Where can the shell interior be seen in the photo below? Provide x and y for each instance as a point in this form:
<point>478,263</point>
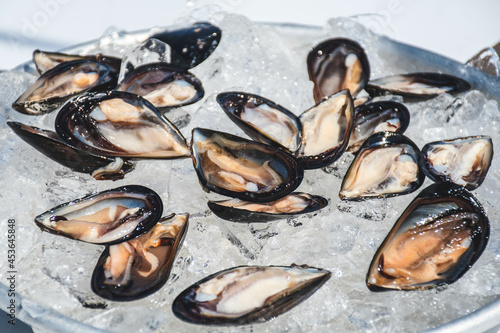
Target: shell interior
<point>435,241</point>
<point>241,168</point>
<point>107,217</point>
<point>138,267</point>
<point>119,124</point>
<point>387,164</point>
<point>463,161</point>
<point>262,119</point>
<point>326,128</point>
<point>247,294</point>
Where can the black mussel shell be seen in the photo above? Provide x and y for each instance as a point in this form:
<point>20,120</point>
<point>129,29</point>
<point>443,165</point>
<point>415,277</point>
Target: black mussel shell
<point>62,82</point>
<point>417,86</point>
<point>439,236</point>
<point>262,119</point>
<point>326,128</point>
<point>337,64</point>
<point>108,217</point>
<point>386,165</point>
<point>463,161</point>
<point>138,267</point>
<point>205,301</point>
<point>377,117</point>
<point>119,124</point>
<point>244,169</point>
<point>48,143</point>
<point>289,206</point>
<point>164,85</point>
<point>192,45</point>
<point>44,60</point>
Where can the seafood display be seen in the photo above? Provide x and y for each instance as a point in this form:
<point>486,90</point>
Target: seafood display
<point>343,142</point>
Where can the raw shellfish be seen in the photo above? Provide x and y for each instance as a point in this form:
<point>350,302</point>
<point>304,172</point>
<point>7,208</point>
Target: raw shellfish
<point>138,267</point>
<point>244,169</point>
<point>435,241</point>
<point>108,217</point>
<point>247,294</point>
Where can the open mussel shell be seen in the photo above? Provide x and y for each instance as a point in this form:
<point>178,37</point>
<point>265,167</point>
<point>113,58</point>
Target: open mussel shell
<point>138,267</point>
<point>244,169</point>
<point>326,128</point>
<point>247,294</point>
<point>119,124</point>
<point>463,161</point>
<point>44,60</point>
<point>262,119</point>
<point>434,242</point>
<point>190,46</point>
<point>387,164</point>
<point>163,85</point>
<point>48,143</point>
<point>417,86</point>
<point>294,204</point>
<point>62,82</point>
<point>384,116</point>
<point>337,64</point>
<point>108,217</point>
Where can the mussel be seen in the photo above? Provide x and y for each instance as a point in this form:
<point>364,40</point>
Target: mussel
<point>337,64</point>
<point>190,46</point>
<point>463,161</point>
<point>385,116</point>
<point>326,128</point>
<point>417,86</point>
<point>262,119</point>
<point>108,217</point>
<point>57,85</point>
<point>48,143</point>
<point>247,294</point>
<point>387,164</point>
<point>294,204</point>
<point>244,169</point>
<point>118,123</point>
<point>44,60</point>
<point>435,241</point>
<point>138,267</point>
<point>163,85</point>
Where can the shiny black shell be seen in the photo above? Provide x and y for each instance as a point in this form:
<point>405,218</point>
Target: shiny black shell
<point>48,143</point>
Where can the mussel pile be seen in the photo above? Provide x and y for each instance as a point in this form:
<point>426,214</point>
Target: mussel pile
<point>103,125</point>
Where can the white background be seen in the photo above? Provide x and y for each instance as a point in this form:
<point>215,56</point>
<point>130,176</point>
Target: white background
<point>455,28</point>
